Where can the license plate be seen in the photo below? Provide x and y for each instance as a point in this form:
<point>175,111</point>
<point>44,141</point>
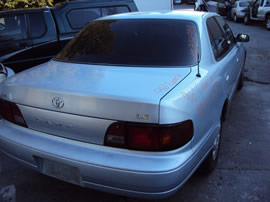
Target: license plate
<point>61,171</point>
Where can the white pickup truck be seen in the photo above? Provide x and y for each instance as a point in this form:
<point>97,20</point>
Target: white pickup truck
<point>154,5</point>
<point>259,11</point>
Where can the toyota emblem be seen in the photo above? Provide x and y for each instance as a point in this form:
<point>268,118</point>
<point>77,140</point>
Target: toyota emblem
<point>58,102</point>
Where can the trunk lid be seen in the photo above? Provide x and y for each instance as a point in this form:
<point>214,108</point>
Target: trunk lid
<point>91,91</point>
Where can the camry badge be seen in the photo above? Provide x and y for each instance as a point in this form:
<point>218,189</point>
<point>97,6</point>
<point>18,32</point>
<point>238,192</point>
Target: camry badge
<point>58,102</point>
<point>143,116</point>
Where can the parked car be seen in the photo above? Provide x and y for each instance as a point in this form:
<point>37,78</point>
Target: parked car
<point>258,11</point>
<point>30,37</point>
<point>132,105</point>
<point>239,9</point>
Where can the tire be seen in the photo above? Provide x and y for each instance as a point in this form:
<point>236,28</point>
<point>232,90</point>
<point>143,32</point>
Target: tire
<point>235,18</point>
<point>240,81</point>
<point>246,19</point>
<point>267,22</point>
<point>211,160</point>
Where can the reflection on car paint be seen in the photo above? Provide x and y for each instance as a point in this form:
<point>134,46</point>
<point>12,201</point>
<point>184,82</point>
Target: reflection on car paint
<point>192,95</point>
<point>202,106</point>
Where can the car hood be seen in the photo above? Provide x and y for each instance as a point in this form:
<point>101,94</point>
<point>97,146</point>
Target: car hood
<point>107,92</point>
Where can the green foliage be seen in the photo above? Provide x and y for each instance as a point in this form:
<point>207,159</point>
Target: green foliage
<point>17,4</point>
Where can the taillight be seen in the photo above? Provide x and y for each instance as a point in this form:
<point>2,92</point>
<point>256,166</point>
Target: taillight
<point>148,137</point>
<point>11,113</point>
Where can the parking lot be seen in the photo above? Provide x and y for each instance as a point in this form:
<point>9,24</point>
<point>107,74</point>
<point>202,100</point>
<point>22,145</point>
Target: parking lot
<point>243,172</point>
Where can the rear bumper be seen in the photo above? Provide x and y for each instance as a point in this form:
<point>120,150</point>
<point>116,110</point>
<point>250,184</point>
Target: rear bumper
<point>130,173</point>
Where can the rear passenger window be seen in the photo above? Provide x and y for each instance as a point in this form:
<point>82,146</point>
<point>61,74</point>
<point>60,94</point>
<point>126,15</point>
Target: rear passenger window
<point>228,34</point>
<point>78,18</point>
<point>221,37</point>
<point>12,28</point>
<point>215,35</point>
<point>37,25</point>
<point>114,10</point>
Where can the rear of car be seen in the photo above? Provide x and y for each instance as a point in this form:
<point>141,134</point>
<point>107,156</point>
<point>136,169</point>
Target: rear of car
<point>239,9</point>
<point>103,114</point>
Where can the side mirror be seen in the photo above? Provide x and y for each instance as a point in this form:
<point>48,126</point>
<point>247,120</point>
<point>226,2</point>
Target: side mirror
<point>242,38</point>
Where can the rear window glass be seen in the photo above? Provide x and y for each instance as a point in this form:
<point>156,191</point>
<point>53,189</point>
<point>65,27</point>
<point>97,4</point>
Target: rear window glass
<point>143,42</point>
<point>243,4</point>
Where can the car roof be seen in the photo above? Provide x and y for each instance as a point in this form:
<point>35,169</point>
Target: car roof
<point>176,14</point>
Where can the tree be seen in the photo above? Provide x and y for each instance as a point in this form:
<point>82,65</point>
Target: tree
<point>17,4</point>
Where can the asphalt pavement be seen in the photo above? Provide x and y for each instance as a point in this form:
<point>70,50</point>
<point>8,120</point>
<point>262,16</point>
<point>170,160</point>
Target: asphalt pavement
<point>243,171</point>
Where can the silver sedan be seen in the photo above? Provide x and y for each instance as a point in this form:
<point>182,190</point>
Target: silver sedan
<point>133,105</point>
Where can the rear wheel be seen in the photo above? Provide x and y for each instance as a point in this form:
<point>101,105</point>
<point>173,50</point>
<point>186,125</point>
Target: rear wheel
<point>240,82</point>
<point>210,162</point>
<point>235,18</point>
<point>246,19</point>
<point>268,22</point>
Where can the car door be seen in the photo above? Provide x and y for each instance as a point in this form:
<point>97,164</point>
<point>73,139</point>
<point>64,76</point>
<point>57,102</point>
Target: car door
<point>261,11</point>
<point>233,53</point>
<point>13,34</point>
<point>42,36</point>
<point>225,51</point>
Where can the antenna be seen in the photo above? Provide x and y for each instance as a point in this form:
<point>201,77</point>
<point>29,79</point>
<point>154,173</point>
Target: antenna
<point>198,59</point>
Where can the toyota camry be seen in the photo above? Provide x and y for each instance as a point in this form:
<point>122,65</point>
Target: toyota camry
<point>133,105</point>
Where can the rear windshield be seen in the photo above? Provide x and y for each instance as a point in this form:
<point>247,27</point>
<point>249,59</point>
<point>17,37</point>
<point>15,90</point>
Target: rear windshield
<point>129,42</point>
<point>244,4</point>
